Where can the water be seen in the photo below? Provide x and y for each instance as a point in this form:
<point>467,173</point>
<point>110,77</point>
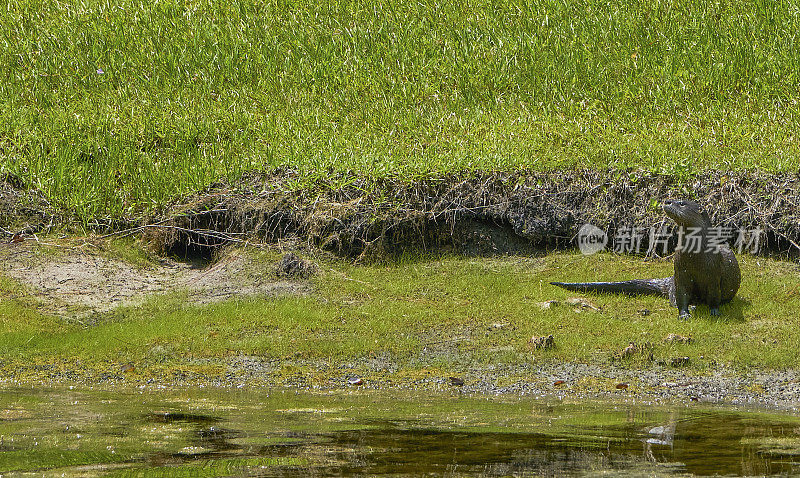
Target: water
<point>263,433</point>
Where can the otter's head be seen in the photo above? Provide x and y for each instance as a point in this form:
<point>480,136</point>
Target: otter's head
<point>686,213</point>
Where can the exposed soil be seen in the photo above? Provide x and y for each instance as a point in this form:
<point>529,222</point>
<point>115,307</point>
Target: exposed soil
<point>479,213</point>
<point>77,282</point>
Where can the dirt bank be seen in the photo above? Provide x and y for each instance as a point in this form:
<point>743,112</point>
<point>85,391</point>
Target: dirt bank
<point>479,213</point>
<point>476,214</point>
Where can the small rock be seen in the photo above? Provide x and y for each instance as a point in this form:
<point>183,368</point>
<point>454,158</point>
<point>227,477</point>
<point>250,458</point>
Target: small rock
<point>677,339</point>
<point>457,382</point>
<point>293,266</point>
<point>581,304</point>
<point>544,342</point>
<point>646,350</point>
<point>548,304</point>
<point>629,350</point>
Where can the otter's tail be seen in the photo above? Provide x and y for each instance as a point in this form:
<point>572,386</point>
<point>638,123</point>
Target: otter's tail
<point>634,287</point>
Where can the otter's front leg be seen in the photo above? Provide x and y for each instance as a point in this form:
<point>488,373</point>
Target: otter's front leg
<point>682,301</point>
<point>682,297</point>
<point>714,296</point>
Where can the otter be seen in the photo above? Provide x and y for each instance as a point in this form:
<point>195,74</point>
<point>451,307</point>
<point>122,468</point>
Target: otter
<point>705,274</point>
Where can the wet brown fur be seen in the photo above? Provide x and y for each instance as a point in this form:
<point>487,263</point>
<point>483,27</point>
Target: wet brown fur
<point>702,275</point>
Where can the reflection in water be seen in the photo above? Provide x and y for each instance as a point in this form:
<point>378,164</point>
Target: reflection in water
<point>663,434</point>
<point>255,434</point>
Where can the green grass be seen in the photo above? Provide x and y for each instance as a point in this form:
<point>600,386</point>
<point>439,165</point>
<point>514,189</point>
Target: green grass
<point>114,108</point>
<point>438,313</point>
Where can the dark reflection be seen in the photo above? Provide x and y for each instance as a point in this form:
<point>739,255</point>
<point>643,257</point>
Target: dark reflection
<point>205,439</point>
<point>702,445</point>
<point>429,451</point>
<point>216,438</point>
<point>169,417</point>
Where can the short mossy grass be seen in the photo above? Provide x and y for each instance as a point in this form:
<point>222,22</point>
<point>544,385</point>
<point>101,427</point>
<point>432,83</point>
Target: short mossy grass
<point>438,315</point>
<point>112,109</point>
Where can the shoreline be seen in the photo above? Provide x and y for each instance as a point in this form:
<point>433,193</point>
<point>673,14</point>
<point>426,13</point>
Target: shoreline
<point>762,389</point>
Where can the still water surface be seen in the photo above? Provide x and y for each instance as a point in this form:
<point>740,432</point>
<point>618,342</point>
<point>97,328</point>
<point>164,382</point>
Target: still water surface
<point>268,433</point>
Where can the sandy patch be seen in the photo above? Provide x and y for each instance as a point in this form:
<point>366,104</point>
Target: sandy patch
<point>76,283</point>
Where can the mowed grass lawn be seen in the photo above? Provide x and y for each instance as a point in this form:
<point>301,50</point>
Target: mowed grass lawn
<point>112,108</point>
